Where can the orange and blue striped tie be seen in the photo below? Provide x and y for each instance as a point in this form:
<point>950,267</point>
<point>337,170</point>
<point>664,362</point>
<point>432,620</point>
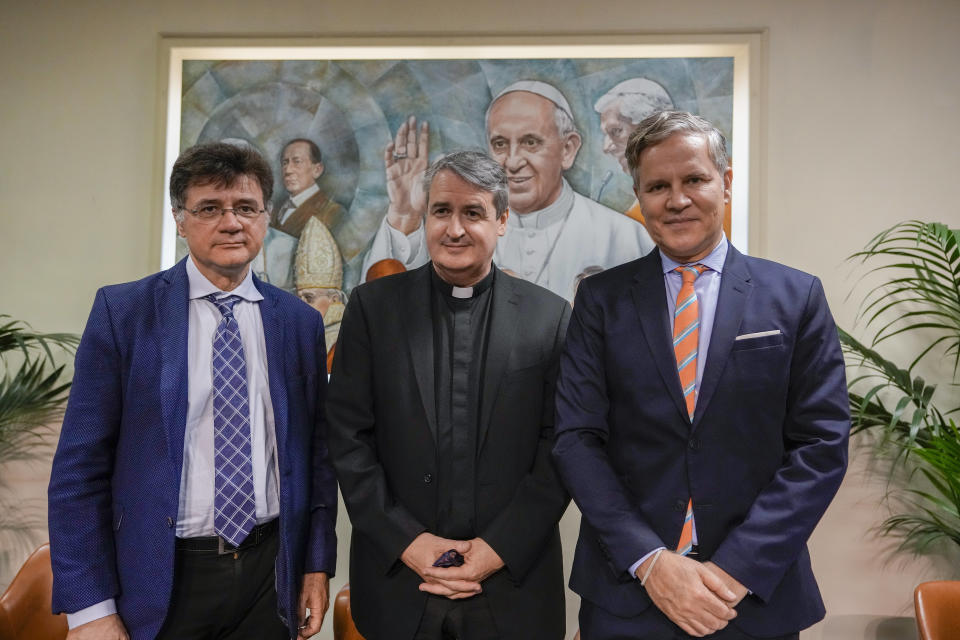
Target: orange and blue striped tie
<point>686,334</point>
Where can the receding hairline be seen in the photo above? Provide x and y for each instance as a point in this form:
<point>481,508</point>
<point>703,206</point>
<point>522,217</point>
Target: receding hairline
<point>313,149</point>
<point>661,126</point>
<point>477,169</point>
<point>453,174</point>
<point>702,136</point>
<point>297,141</point>
<point>447,171</point>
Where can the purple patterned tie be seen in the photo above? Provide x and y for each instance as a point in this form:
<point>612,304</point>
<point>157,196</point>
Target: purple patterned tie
<point>234,505</point>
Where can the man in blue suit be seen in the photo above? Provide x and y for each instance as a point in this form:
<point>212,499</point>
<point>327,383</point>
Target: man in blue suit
<point>191,495</point>
<point>698,499</point>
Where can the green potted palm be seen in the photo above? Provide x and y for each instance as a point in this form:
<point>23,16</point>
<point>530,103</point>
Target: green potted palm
<point>919,296</point>
<point>32,394</point>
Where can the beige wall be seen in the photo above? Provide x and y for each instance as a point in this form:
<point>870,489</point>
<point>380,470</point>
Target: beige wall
<point>861,100</point>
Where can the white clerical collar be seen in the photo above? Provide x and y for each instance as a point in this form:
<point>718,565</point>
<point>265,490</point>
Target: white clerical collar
<point>305,195</point>
<point>464,293</point>
<point>549,215</point>
<point>200,286</point>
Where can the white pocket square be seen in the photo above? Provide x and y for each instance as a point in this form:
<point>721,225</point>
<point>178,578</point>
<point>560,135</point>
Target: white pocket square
<point>759,334</point>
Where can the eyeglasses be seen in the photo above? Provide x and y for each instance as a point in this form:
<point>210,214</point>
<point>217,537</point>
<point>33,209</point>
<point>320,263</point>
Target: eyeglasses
<point>209,212</point>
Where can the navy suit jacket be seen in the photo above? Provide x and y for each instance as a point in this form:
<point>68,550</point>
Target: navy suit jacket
<point>115,485</point>
<point>762,459</point>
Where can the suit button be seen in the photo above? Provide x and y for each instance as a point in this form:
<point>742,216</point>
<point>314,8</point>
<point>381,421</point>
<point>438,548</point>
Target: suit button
<point>694,443</point>
<point>427,478</point>
<point>169,522</point>
<point>680,505</point>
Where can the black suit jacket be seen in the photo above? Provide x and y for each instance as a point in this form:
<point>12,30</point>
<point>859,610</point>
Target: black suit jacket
<point>381,408</point>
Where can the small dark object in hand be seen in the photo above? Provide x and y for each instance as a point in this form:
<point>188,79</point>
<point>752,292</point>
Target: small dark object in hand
<point>451,558</point>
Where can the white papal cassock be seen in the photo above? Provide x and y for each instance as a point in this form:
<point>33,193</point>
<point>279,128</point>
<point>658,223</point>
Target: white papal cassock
<point>550,247</point>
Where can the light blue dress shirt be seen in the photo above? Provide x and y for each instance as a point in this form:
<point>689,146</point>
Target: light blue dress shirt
<point>707,288</point>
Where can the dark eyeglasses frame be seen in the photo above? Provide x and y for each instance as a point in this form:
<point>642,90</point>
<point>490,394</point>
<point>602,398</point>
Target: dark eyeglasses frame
<point>211,212</point>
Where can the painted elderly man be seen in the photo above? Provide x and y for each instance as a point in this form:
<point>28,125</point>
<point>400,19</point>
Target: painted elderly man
<point>301,165</point>
<point>554,233</point>
<point>621,109</point>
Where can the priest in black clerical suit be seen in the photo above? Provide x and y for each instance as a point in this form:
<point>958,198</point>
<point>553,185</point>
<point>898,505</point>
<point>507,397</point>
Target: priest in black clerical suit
<point>441,419</point>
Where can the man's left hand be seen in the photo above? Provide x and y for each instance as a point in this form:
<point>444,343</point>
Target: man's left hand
<point>479,563</point>
<point>315,596</point>
<point>730,582</point>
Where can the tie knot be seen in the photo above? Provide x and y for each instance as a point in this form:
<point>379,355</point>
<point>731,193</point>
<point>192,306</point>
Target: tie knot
<point>689,273</point>
<point>224,304</point>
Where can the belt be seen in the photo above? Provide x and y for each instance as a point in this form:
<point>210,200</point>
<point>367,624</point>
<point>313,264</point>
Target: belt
<point>216,543</point>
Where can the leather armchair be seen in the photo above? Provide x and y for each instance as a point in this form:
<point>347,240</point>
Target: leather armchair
<point>25,606</point>
<point>937,605</point>
<point>343,627</point>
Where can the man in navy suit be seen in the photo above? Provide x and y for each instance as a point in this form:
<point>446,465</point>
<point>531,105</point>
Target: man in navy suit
<point>191,495</point>
<point>741,462</point>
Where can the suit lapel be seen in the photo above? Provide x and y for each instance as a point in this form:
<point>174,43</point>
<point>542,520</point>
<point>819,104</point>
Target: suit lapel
<point>735,289</point>
<point>273,336</point>
<point>419,332</point>
<point>504,316</point>
<point>650,298</point>
<point>171,308</point>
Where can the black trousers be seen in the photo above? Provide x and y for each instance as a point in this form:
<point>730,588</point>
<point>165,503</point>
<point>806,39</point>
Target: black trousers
<point>225,597</point>
<point>445,619</point>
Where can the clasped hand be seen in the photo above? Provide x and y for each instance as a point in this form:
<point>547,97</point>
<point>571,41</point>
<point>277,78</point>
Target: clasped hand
<point>480,562</point>
<point>698,598</point>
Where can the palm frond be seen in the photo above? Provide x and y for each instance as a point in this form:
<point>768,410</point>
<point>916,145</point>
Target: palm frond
<point>921,293</point>
<point>32,394</point>
<point>17,335</point>
<point>30,400</point>
<point>868,410</point>
<point>925,260</point>
<point>937,512</point>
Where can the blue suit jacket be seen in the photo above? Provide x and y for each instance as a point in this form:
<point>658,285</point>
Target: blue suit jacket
<point>764,456</point>
<point>115,485</point>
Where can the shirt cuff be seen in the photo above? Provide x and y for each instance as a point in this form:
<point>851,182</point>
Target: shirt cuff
<point>91,613</point>
<point>636,565</point>
<point>404,247</point>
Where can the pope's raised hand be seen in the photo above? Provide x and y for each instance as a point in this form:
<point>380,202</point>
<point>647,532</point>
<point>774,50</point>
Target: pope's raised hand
<point>405,160</point>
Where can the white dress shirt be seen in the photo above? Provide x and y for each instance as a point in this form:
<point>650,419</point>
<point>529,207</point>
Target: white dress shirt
<point>298,200</point>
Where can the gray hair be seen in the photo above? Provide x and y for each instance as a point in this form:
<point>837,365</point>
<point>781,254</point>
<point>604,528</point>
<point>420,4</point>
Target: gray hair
<point>220,164</point>
<point>636,99</point>
<point>476,168</point>
<point>659,126</point>
<point>564,122</point>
